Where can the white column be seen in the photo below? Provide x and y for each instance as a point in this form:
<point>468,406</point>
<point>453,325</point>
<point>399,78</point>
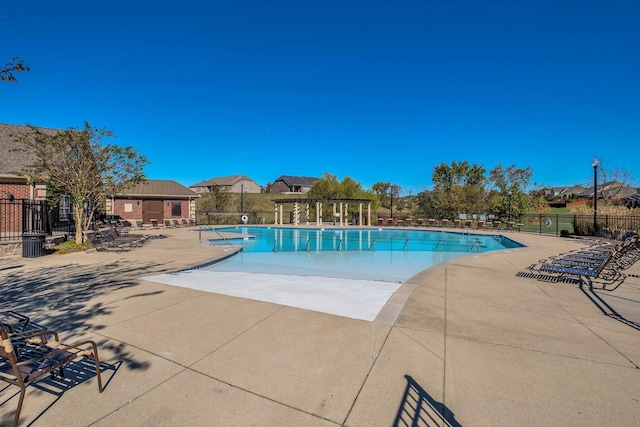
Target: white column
<point>275,214</point>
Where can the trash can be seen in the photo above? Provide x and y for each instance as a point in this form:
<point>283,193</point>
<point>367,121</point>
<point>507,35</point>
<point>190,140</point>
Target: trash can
<point>32,245</point>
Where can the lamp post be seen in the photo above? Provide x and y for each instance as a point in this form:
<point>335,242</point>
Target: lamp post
<point>510,195</point>
<point>595,164</point>
<point>241,197</point>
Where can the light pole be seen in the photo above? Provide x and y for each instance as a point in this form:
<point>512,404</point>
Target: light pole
<point>595,164</point>
<point>510,195</point>
<point>241,197</point>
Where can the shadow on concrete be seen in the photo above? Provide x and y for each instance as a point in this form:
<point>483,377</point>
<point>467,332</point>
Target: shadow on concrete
<point>419,409</point>
<point>606,307</point>
<point>75,373</point>
<point>60,298</point>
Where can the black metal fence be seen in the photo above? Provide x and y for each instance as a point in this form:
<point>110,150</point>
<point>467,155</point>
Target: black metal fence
<point>580,225</point>
<point>23,216</point>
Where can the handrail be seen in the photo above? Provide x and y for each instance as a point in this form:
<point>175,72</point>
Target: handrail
<point>308,244</point>
<point>475,243</point>
<point>439,244</point>
<point>373,245</point>
<point>406,243</point>
<point>339,245</point>
<point>224,239</point>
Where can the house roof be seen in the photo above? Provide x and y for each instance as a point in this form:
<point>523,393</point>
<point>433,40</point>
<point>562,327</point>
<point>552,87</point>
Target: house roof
<point>297,180</point>
<point>159,188</point>
<point>12,160</point>
<point>223,181</point>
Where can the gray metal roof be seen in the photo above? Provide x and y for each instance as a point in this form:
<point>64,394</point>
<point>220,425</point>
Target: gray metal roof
<point>159,188</point>
<point>222,181</point>
<point>297,180</point>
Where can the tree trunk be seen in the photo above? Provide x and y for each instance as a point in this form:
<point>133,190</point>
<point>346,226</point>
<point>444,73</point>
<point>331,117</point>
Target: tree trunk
<point>80,223</point>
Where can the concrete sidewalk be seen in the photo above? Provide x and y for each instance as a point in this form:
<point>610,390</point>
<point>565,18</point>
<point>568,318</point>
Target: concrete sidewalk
<point>485,347</point>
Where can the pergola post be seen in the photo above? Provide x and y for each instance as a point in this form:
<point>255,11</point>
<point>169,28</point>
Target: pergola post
<point>275,214</point>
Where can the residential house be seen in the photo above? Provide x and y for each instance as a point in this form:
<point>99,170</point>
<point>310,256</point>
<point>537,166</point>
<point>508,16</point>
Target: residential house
<point>231,184</point>
<point>153,201</point>
<point>292,184</point>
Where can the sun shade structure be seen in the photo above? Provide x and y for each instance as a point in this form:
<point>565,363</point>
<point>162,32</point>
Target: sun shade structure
<point>340,210</point>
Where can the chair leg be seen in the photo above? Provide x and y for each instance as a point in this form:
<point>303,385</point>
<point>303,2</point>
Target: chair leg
<point>17,417</point>
<point>96,360</point>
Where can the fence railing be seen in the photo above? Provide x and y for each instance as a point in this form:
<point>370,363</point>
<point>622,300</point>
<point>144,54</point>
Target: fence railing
<point>580,225</point>
<point>23,216</point>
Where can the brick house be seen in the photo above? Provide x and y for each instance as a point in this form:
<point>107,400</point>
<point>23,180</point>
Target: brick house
<point>292,184</point>
<point>230,184</point>
<point>153,201</point>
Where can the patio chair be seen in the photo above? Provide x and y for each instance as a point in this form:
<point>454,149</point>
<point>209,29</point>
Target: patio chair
<point>496,225</point>
<point>380,221</point>
<point>167,223</point>
<point>37,360</point>
<point>480,225</point>
<point>432,222</point>
<point>467,223</point>
<point>13,321</point>
<point>456,223</point>
<point>101,244</point>
<point>420,222</point>
<point>408,222</point>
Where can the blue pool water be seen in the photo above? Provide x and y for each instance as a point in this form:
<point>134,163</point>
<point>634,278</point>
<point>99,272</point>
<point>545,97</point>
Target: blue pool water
<point>389,255</point>
<point>345,272</point>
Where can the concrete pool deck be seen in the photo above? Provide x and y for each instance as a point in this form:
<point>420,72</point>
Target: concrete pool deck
<point>485,346</point>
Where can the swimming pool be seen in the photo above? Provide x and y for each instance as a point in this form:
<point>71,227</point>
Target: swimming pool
<point>347,272</point>
<point>273,239</point>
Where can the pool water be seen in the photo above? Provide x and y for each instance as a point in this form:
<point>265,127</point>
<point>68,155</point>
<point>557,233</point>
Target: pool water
<point>389,255</point>
<point>269,239</point>
<point>344,272</point>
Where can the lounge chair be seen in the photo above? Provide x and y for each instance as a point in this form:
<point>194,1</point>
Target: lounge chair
<point>467,223</point>
<point>167,223</point>
<point>480,224</point>
<point>432,222</point>
<point>389,221</point>
<point>444,222</point>
<point>380,221</point>
<point>37,360</point>
<point>408,222</point>
<point>101,244</point>
<point>496,225</point>
<point>456,223</point>
<point>111,235</point>
<point>420,222</point>
<point>13,321</point>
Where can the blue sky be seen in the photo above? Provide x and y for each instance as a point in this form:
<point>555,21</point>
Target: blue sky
<point>374,90</point>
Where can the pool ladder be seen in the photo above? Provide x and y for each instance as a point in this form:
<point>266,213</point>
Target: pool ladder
<point>406,245</point>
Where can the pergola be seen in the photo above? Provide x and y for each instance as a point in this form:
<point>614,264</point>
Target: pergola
<point>340,209</point>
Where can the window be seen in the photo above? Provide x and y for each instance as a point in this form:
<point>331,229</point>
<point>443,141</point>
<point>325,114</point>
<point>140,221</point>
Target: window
<point>176,209</point>
<point>65,208</point>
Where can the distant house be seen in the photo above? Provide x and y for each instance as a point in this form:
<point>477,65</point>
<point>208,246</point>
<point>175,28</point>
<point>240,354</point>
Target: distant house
<point>153,201</point>
<point>292,184</point>
<point>230,184</point>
